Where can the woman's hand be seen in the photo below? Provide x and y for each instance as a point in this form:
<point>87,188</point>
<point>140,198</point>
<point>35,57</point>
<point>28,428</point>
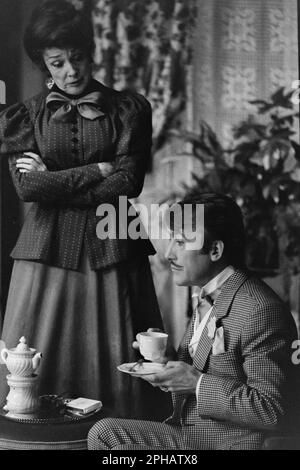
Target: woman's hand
<point>106,168</point>
<point>32,162</point>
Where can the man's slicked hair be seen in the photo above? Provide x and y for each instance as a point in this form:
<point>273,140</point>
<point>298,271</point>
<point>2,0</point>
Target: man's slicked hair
<point>223,220</point>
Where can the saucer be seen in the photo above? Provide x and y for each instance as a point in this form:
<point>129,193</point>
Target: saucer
<point>144,368</point>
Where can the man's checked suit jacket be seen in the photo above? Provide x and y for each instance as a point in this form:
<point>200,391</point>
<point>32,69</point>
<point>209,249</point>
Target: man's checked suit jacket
<point>244,391</point>
<point>63,216</point>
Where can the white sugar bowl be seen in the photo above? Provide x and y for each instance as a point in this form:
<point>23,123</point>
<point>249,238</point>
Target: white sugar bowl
<point>21,361</point>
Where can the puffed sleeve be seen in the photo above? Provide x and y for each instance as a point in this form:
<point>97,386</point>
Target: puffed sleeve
<point>134,146</point>
<point>17,137</point>
<point>85,185</point>
<point>16,131</point>
<point>133,151</point>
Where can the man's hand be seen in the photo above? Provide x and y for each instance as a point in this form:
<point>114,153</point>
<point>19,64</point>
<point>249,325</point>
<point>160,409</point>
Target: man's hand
<point>177,376</point>
<point>31,162</point>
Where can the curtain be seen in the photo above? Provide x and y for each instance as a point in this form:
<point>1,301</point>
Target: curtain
<point>245,50</point>
<point>146,46</point>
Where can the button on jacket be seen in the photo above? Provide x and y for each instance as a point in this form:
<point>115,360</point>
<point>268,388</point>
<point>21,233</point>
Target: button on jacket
<point>65,198</point>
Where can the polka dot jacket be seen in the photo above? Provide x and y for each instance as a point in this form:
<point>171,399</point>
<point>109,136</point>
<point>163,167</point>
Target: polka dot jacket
<point>62,218</point>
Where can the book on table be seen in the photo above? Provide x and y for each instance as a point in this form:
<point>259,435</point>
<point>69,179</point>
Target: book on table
<point>84,405</point>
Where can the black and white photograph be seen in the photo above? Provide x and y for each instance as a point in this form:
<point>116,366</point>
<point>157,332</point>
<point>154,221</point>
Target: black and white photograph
<point>150,227</point>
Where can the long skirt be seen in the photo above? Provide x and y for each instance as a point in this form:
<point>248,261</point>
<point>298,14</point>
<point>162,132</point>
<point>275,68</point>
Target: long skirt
<point>84,322</point>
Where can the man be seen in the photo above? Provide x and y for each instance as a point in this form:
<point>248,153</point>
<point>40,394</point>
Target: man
<point>230,378</point>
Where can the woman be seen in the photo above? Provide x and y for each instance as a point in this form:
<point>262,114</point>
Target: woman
<point>77,298</point>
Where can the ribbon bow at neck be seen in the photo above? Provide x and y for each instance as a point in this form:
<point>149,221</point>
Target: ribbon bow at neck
<point>87,106</point>
<point>203,298</point>
<point>211,297</point>
<point>204,303</point>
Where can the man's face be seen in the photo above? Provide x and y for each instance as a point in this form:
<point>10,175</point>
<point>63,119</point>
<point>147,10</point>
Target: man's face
<point>189,267</point>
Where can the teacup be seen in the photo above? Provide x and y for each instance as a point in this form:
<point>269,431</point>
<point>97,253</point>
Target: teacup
<point>152,344</point>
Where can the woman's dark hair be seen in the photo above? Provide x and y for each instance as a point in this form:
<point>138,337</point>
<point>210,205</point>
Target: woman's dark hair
<point>56,23</point>
<point>223,220</point>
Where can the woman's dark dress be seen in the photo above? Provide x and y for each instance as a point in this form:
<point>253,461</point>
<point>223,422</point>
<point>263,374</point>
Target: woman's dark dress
<point>77,299</point>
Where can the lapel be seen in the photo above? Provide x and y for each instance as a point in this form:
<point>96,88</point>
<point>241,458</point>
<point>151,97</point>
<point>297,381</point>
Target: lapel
<point>183,350</point>
<point>182,355</point>
<point>219,310</point>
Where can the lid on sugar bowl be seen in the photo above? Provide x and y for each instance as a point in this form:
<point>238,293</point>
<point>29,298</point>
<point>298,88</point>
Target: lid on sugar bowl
<point>23,347</point>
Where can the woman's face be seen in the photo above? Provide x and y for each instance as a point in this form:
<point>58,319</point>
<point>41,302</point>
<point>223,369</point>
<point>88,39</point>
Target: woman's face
<point>70,69</point>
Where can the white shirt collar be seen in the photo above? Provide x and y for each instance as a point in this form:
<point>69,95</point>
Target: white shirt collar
<point>212,286</point>
<point>215,283</point>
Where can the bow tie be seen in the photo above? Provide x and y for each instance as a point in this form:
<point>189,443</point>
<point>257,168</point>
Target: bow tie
<point>210,298</point>
<point>204,305</point>
<point>87,106</point>
<point>205,302</point>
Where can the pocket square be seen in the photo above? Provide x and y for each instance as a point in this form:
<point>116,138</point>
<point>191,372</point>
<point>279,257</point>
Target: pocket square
<point>211,327</point>
<point>218,346</point>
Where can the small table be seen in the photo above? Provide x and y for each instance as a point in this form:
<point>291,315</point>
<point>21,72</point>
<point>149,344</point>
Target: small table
<point>48,429</point>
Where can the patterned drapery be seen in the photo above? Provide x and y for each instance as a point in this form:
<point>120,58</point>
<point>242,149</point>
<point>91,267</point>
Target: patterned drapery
<point>146,46</point>
<point>244,50</point>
